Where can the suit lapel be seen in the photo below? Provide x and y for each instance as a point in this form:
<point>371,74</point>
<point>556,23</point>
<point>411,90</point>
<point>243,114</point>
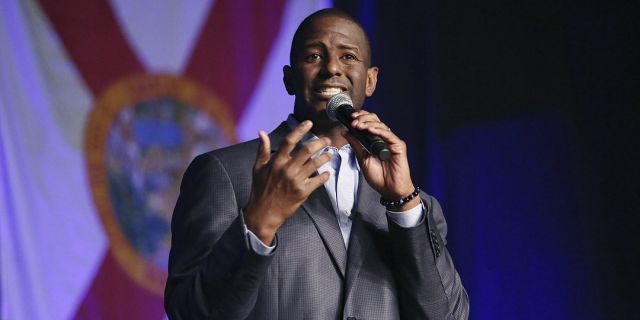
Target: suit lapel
<point>318,208</point>
<point>368,204</point>
<point>367,211</point>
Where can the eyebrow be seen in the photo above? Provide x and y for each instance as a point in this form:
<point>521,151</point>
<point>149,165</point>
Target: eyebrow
<point>314,44</point>
<point>349,47</point>
<point>317,44</point>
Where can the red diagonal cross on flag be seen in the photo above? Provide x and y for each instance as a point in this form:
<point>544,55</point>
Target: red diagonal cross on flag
<point>227,58</point>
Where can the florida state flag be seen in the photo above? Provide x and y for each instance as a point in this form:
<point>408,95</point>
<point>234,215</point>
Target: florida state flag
<point>102,106</point>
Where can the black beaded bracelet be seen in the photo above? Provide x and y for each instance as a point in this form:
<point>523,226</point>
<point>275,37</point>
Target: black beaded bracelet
<point>401,202</point>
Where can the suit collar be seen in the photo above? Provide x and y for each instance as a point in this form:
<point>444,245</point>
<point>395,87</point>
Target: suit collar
<point>277,136</point>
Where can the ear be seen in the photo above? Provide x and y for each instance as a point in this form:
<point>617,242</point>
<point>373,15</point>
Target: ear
<point>372,80</point>
<point>287,78</point>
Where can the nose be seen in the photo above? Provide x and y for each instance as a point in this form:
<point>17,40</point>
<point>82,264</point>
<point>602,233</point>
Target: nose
<point>332,66</point>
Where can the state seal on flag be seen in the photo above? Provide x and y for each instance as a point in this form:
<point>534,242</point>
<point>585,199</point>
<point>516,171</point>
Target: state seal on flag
<point>141,134</point>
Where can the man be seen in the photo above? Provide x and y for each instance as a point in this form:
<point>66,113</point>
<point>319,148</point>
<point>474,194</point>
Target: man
<point>290,226</point>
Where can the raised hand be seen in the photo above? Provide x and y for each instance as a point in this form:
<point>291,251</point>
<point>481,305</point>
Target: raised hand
<point>391,178</point>
<point>283,181</point>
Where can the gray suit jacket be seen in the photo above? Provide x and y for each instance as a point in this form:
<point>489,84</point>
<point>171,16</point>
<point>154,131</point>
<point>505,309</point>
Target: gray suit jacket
<point>388,272</point>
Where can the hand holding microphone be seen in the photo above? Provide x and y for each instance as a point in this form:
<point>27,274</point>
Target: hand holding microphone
<point>340,108</point>
<point>389,174</point>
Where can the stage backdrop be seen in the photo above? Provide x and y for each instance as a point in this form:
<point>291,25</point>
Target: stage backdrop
<point>102,105</point>
<point>521,117</point>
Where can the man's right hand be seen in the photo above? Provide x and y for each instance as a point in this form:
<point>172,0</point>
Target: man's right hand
<point>282,182</point>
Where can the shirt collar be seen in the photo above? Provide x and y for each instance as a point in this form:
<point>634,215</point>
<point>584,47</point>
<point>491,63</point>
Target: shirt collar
<point>292,122</point>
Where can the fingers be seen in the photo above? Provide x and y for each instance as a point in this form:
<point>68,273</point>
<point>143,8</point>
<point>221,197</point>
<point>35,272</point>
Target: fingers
<point>301,165</point>
<point>292,139</point>
<point>264,150</point>
<point>317,181</point>
<point>307,150</point>
<point>313,164</point>
<point>364,119</point>
<point>301,162</point>
<point>367,121</point>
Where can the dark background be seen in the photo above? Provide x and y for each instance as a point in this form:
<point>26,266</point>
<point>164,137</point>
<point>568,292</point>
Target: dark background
<point>522,118</point>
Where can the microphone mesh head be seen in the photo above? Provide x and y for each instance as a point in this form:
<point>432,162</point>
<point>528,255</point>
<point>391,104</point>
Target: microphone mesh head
<point>336,101</point>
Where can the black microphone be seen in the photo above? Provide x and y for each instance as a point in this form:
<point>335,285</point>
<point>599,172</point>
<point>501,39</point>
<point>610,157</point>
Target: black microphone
<point>340,108</point>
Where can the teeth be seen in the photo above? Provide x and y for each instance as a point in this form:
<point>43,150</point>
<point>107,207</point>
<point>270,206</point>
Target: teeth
<point>331,91</point>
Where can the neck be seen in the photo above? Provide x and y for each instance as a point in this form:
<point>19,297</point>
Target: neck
<point>325,127</point>
<point>335,133</point>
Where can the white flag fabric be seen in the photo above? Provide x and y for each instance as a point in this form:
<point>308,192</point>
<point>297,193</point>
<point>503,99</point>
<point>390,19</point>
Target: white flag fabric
<point>55,237</point>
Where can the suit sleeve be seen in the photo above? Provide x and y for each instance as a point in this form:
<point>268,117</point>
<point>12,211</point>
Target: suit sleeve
<point>213,273</point>
<point>430,287</point>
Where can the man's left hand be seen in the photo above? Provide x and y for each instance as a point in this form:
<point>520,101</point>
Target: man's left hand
<point>391,178</point>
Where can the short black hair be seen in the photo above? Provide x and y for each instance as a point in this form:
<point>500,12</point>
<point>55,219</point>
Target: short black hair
<point>327,12</point>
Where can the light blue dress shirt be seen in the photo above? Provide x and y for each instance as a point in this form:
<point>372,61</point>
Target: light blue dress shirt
<point>342,188</point>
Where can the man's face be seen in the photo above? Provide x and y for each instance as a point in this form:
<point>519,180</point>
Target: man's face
<point>331,57</point>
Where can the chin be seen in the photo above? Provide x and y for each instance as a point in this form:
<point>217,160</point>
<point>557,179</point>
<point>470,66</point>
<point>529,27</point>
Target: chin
<point>327,123</point>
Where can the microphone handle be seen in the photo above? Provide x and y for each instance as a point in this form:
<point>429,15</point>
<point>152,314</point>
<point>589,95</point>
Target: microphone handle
<point>373,144</point>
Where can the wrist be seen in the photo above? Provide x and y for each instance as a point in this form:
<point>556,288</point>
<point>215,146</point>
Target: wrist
<point>402,204</point>
<point>407,206</point>
<point>266,235</point>
<point>257,225</point>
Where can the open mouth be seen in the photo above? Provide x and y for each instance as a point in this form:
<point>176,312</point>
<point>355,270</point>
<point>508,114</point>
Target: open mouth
<point>329,92</point>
